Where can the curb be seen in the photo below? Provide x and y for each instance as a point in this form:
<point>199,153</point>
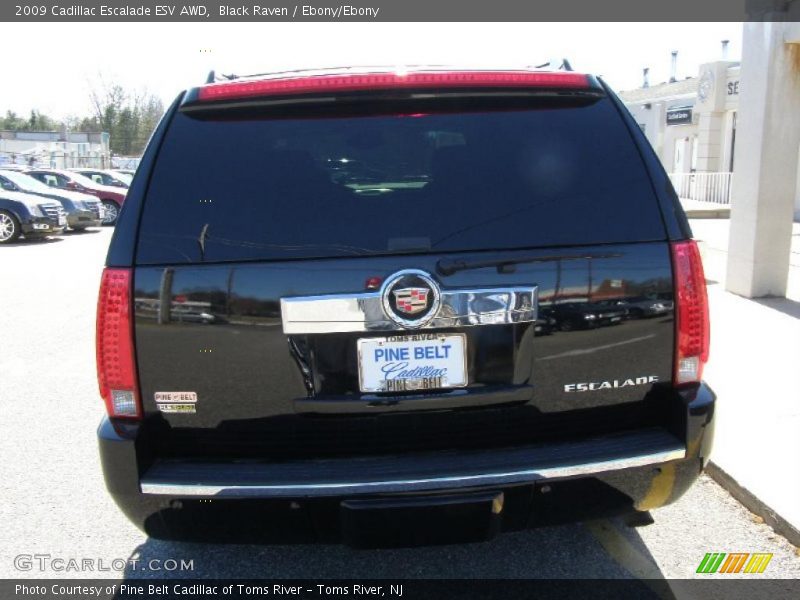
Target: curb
<point>750,502</point>
<point>719,213</point>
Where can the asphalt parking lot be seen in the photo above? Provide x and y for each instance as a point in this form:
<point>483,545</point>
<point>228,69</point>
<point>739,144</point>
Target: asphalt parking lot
<point>53,501</point>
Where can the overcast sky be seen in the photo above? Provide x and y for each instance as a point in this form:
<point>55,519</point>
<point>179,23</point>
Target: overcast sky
<point>52,66</point>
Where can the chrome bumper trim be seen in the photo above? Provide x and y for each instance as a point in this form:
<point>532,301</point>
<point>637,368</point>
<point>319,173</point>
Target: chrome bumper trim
<point>199,489</point>
<point>345,313</point>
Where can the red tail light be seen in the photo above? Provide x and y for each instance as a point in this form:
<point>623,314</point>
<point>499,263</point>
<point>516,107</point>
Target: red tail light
<point>116,363</point>
<point>377,81</point>
<point>691,313</point>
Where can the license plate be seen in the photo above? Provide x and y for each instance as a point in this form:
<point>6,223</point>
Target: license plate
<point>412,362</point>
<point>62,220</point>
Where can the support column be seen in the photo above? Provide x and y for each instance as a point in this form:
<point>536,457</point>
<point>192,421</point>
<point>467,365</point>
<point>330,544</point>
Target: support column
<point>709,147</point>
<point>797,192</point>
<point>765,178</point>
<point>710,111</point>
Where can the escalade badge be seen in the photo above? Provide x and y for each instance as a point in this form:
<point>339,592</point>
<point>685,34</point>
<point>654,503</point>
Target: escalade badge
<point>591,386</point>
<point>410,298</point>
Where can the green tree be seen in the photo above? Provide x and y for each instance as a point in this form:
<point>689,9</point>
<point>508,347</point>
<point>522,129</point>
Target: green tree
<point>13,122</point>
<point>39,122</point>
<point>128,117</point>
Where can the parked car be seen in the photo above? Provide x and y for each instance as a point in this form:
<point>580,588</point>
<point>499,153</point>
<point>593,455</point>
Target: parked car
<point>29,215</point>
<point>586,315</point>
<point>400,391</point>
<point>123,175</point>
<point>82,210</point>
<point>667,299</point>
<point>546,322</point>
<point>638,307</point>
<point>190,314</point>
<point>105,177</point>
<point>112,198</point>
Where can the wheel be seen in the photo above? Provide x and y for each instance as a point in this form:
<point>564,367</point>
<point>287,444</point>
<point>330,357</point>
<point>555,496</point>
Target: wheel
<point>567,325</point>
<point>111,212</point>
<point>9,227</point>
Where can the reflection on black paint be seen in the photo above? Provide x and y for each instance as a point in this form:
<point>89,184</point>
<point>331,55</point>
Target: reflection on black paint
<point>256,375</point>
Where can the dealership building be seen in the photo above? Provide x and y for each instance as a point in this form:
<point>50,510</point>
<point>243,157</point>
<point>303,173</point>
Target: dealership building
<point>730,135</point>
<point>691,123</point>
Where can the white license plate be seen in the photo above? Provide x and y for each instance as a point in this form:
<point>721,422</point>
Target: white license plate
<point>421,361</point>
<point>62,220</point>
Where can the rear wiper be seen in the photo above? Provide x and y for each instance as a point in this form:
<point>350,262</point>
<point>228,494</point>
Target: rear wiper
<point>202,241</point>
<point>508,264</point>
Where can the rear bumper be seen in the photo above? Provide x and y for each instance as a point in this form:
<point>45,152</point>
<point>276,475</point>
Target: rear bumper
<point>637,470</point>
<point>434,472</point>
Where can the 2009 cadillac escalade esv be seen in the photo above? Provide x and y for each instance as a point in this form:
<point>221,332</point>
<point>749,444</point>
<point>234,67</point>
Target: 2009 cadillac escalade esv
<point>366,254</point>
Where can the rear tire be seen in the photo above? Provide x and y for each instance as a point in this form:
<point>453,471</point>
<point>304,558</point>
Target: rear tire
<point>111,212</point>
<point>9,228</point>
<point>567,325</point>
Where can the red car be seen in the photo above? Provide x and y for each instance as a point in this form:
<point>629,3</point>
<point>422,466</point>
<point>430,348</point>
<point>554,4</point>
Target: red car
<point>111,197</point>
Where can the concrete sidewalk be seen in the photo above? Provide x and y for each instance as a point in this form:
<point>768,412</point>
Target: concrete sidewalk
<point>696,209</point>
<point>755,370</point>
<point>713,237</point>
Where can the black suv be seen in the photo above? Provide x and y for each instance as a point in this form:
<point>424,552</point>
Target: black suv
<point>370,251</point>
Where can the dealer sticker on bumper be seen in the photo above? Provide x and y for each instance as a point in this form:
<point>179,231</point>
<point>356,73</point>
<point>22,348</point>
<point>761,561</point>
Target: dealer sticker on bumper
<point>176,402</point>
<point>412,362</point>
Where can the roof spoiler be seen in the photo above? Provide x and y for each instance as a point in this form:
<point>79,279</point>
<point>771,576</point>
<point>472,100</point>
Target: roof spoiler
<point>214,77</point>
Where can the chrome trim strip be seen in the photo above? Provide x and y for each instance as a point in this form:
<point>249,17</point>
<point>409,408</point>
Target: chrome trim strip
<point>343,313</point>
<point>433,483</point>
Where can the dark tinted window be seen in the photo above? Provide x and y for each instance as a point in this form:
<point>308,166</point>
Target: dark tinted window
<point>288,188</point>
<point>96,177</point>
<point>51,179</point>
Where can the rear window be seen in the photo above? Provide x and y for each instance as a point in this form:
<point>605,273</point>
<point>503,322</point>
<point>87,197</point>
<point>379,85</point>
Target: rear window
<point>233,187</point>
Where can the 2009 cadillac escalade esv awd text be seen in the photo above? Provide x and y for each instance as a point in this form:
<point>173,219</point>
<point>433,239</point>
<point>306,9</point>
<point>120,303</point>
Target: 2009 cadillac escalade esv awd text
<point>364,256</point>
